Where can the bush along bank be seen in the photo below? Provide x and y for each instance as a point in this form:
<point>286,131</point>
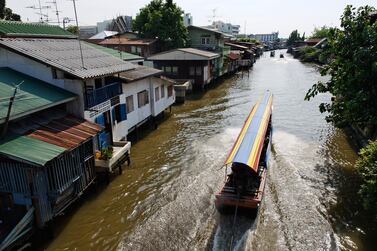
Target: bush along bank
<point>352,69</point>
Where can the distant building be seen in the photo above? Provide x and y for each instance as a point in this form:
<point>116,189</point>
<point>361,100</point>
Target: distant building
<point>187,19</point>
<point>120,24</point>
<point>88,31</point>
<point>227,28</point>
<point>266,37</point>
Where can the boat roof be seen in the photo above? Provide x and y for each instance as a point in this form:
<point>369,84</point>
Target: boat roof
<point>249,144</point>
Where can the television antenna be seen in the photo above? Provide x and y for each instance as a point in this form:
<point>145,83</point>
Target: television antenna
<point>40,9</point>
<point>214,16</point>
<point>67,20</point>
<point>56,10</point>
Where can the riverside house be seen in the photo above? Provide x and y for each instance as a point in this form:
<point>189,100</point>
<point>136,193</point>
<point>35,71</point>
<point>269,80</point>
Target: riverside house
<point>46,155</point>
<point>94,77</point>
<point>147,95</point>
<point>198,66</point>
<point>210,40</point>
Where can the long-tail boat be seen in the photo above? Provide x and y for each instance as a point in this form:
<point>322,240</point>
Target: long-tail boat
<point>248,160</point>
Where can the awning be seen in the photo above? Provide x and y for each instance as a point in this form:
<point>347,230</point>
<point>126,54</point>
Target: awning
<point>249,144</point>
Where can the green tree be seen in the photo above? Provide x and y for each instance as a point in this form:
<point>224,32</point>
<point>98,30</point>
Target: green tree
<point>7,13</point>
<point>295,36</point>
<point>162,19</point>
<point>73,29</point>
<point>321,32</point>
<point>352,71</point>
<point>367,168</point>
<point>2,7</point>
<point>248,40</point>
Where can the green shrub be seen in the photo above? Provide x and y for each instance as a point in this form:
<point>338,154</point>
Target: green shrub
<point>367,168</point>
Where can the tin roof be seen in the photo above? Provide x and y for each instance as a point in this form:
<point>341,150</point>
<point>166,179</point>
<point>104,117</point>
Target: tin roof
<point>46,140</point>
<point>119,54</point>
<point>33,94</point>
<point>104,34</point>
<point>67,132</point>
<point>237,46</point>
<point>128,41</point>
<point>185,54</point>
<point>19,29</point>
<point>64,54</point>
<point>139,73</point>
<point>29,149</point>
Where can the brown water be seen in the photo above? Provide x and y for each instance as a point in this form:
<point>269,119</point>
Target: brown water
<point>165,199</point>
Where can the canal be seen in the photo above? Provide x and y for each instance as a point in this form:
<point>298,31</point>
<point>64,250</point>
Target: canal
<point>164,200</point>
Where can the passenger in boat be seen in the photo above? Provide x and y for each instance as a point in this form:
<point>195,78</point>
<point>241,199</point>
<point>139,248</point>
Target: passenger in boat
<point>244,180</point>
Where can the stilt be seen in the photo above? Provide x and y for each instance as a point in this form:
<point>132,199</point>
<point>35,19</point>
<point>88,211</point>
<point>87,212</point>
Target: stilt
<point>120,169</point>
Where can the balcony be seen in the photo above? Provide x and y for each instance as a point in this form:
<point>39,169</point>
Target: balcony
<point>121,153</point>
<point>97,96</point>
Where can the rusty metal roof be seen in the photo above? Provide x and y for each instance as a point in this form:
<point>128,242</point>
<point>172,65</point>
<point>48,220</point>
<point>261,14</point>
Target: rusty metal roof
<point>64,54</point>
<point>139,73</point>
<point>67,132</point>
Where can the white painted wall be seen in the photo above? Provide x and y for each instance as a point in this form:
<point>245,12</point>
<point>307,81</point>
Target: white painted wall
<point>165,102</point>
<point>138,114</point>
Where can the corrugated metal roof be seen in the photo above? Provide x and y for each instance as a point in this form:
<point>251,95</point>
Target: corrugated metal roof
<point>46,141</point>
<point>33,95</point>
<point>184,54</point>
<point>67,132</point>
<point>64,54</point>
<point>104,34</point>
<point>128,41</point>
<point>139,73</point>
<point>119,54</point>
<point>19,29</point>
<point>29,149</point>
<point>237,46</point>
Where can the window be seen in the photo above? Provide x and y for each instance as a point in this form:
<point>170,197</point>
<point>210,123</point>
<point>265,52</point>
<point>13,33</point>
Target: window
<point>133,49</point>
<point>205,40</point>
<point>192,71</point>
<point>174,70</point>
<point>198,71</point>
<point>116,112</point>
<point>138,50</point>
<point>142,98</point>
<point>162,91</point>
<point>54,73</point>
<point>167,69</point>
<point>157,93</point>
<point>98,83</point>
<point>119,113</point>
<point>170,90</point>
<point>130,104</point>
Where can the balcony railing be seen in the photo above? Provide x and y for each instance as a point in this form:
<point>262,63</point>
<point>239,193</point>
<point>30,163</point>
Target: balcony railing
<point>100,95</point>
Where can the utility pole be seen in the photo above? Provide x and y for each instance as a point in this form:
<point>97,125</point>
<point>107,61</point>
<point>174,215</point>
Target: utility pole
<point>11,101</point>
<point>78,30</point>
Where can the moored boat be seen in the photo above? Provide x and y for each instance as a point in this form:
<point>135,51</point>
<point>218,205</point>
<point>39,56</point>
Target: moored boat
<point>248,160</point>
<point>272,54</point>
<point>281,55</point>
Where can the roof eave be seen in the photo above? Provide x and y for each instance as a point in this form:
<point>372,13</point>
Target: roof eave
<point>20,115</point>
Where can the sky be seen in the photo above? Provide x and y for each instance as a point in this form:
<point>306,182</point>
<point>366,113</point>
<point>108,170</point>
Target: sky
<point>254,16</point>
